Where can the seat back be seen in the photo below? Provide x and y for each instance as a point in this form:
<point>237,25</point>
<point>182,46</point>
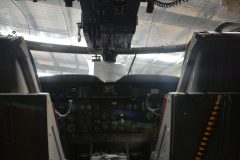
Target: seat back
<point>186,121</point>
<point>28,128</point>
<point>211,63</point>
<point>17,71</point>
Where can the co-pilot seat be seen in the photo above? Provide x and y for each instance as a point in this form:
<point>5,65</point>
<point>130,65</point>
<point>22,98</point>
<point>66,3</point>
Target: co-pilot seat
<point>28,126</point>
<point>210,68</point>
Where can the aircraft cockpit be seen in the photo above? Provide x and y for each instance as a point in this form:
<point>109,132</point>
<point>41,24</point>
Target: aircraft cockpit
<point>119,79</point>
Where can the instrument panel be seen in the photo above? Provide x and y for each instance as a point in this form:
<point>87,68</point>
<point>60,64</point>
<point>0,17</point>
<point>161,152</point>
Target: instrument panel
<point>97,119</point>
<point>107,116</point>
<point>88,107</point>
<point>107,109</point>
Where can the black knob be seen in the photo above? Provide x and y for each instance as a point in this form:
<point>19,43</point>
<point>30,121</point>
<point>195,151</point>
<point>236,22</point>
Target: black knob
<point>150,6</point>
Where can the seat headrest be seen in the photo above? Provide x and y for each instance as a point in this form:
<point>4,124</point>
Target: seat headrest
<point>211,63</point>
<point>17,71</point>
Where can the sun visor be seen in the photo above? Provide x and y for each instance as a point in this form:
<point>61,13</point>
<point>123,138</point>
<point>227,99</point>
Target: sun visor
<point>232,5</point>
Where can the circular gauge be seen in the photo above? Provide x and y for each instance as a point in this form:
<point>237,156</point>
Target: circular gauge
<point>71,118</point>
<point>89,107</point>
<point>71,128</point>
<point>82,107</point>
<point>135,106</point>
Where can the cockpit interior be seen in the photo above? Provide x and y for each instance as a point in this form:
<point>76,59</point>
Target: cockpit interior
<point>119,79</point>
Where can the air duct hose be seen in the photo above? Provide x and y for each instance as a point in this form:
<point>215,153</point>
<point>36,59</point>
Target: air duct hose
<point>208,131</point>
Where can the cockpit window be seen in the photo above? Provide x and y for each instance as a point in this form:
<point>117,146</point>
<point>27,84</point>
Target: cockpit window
<point>49,63</point>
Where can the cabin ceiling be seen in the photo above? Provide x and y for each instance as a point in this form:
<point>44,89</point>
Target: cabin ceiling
<point>50,21</point>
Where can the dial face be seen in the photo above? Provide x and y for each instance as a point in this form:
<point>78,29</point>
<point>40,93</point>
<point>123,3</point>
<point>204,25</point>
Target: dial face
<point>71,118</point>
<point>71,128</point>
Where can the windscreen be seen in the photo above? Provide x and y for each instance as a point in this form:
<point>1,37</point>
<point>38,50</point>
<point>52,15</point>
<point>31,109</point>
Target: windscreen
<point>52,63</point>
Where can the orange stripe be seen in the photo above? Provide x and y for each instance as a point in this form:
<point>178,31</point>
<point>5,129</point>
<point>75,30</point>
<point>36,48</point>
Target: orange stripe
<point>205,138</point>
<point>201,148</point>
<point>213,118</point>
<point>204,144</point>
<point>211,123</point>
<point>199,153</point>
<point>214,113</point>
<point>207,133</point>
<point>217,108</point>
<point>210,129</point>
